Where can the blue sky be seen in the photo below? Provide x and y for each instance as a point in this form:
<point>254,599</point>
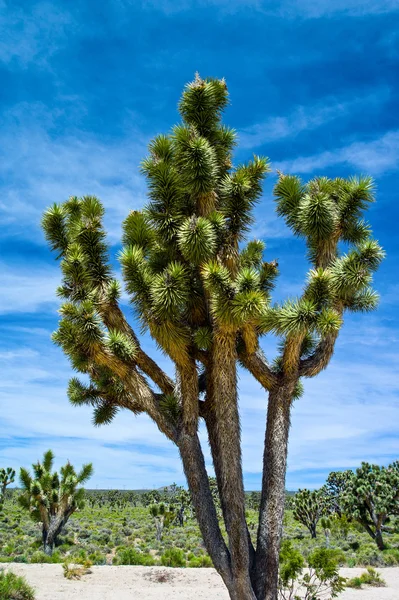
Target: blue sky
<point>84,87</point>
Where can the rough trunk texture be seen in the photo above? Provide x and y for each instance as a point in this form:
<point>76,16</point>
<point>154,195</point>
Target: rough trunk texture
<point>379,540</point>
<point>273,492</point>
<point>52,530</point>
<point>215,450</point>
<point>312,530</point>
<point>225,438</point>
<point>198,483</point>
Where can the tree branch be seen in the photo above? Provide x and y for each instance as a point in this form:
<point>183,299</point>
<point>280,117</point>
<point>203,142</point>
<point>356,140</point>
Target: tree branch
<point>115,319</point>
<point>311,366</point>
<point>257,365</point>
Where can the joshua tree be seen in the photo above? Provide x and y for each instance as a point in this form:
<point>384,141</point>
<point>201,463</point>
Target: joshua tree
<point>180,498</point>
<point>309,507</point>
<point>52,499</point>
<point>371,497</point>
<point>334,488</point>
<point>163,516</point>
<point>204,296</point>
<point>325,523</point>
<point>7,476</point>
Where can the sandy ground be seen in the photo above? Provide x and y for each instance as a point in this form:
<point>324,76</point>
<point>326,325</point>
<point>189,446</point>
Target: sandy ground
<point>140,583</point>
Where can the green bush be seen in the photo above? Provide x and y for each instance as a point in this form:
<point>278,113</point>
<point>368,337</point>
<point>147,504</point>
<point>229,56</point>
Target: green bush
<point>173,557</point>
<point>13,587</point>
<point>130,556</point>
<point>40,557</point>
<point>369,577</point>
<point>97,558</point>
<point>321,579</point>
<point>203,561</point>
<point>369,555</point>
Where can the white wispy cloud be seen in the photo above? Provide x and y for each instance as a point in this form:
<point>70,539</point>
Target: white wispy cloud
<point>27,289</point>
<point>375,157</point>
<point>56,168</point>
<point>307,118</point>
<point>32,33</point>
<point>355,8</point>
<point>283,8</point>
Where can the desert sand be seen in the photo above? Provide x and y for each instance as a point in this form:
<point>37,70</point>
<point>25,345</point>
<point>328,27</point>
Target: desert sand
<point>150,583</point>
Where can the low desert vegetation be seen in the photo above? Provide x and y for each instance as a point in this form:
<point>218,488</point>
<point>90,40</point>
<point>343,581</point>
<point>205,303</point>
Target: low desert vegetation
<point>369,577</point>
<point>13,587</point>
<point>122,528</point>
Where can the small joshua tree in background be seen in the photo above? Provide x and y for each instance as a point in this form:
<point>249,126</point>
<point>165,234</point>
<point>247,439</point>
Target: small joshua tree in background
<point>181,499</point>
<point>334,488</point>
<point>52,499</point>
<point>325,523</point>
<point>309,507</point>
<point>7,476</point>
<point>371,497</point>
<point>163,516</point>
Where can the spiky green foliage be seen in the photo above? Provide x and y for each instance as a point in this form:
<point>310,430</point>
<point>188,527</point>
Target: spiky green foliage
<point>334,488</point>
<point>51,498</point>
<point>308,508</point>
<point>371,496</point>
<point>7,477</point>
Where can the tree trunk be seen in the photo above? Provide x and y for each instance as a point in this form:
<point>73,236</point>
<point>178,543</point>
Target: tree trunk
<point>312,529</point>
<point>223,423</point>
<point>51,533</point>
<point>379,540</point>
<point>273,492</point>
<point>216,453</point>
<point>205,511</point>
<point>47,546</point>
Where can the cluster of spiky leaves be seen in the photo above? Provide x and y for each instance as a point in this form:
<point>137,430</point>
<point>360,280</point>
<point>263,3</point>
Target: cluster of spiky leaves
<point>371,495</point>
<point>334,488</point>
<point>327,213</point>
<point>186,267</point>
<point>47,493</point>
<point>181,258</point>
<point>309,506</point>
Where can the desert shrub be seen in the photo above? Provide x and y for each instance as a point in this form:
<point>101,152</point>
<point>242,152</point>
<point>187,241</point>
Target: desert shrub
<point>14,587</point>
<point>203,560</point>
<point>76,570</point>
<point>130,556</point>
<point>22,558</point>
<point>369,555</point>
<point>97,558</point>
<point>173,557</point>
<point>369,577</point>
<point>40,557</point>
<point>319,581</point>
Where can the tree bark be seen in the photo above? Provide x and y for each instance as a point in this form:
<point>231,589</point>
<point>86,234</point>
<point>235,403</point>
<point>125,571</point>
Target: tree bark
<point>312,530</point>
<point>51,532</point>
<point>273,491</point>
<point>198,483</point>
<point>379,540</point>
<point>216,452</point>
<point>225,438</point>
